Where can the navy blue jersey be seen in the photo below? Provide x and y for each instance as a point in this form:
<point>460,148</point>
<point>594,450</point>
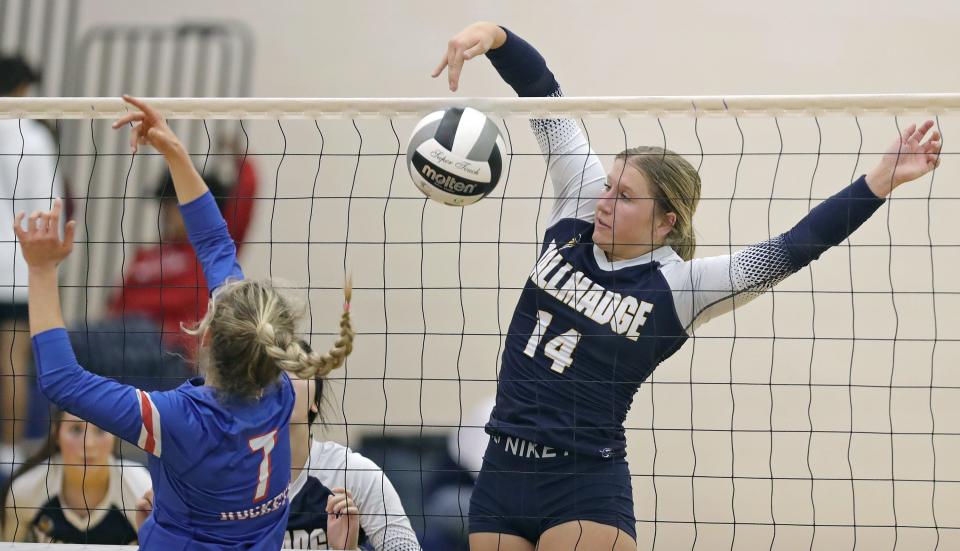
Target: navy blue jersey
<point>587,331</point>
<point>383,524</point>
<point>220,469</point>
<point>581,341</point>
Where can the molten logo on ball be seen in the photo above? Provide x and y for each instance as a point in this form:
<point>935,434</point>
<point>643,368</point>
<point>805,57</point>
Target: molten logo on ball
<point>447,182</point>
<point>455,156</point>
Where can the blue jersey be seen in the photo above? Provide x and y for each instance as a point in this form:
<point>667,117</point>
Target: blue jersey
<point>220,469</point>
<point>586,331</point>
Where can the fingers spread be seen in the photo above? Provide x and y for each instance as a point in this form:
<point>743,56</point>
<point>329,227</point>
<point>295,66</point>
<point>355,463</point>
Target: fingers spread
<point>18,225</point>
<point>454,64</point>
<point>135,137</point>
<point>474,50</point>
<point>922,131</point>
<point>127,119</point>
<point>68,234</point>
<point>53,223</point>
<point>141,105</point>
<point>443,63</point>
<point>906,134</point>
<point>32,222</point>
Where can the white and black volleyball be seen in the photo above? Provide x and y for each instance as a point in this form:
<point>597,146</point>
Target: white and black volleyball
<point>455,156</point>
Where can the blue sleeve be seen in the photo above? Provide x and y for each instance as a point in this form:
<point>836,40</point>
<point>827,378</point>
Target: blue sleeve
<point>211,240</point>
<point>163,424</point>
<point>522,67</point>
<point>106,403</point>
<point>830,222</point>
<point>175,433</point>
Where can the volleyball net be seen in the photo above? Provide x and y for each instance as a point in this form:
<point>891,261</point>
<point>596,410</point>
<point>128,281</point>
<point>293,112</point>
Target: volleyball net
<point>823,415</point>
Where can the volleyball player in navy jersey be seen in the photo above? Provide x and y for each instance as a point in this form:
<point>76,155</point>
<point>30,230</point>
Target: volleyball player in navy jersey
<point>219,446</point>
<point>616,291</point>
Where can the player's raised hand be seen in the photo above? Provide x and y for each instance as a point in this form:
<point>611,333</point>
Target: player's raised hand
<point>149,128</point>
<point>909,157</point>
<point>476,39</point>
<point>40,241</point>
<point>343,520</point>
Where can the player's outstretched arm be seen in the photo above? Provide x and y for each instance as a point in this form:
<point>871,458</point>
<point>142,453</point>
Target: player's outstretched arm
<point>575,171</point>
<point>206,227</point>
<point>107,404</point>
<point>707,287</point>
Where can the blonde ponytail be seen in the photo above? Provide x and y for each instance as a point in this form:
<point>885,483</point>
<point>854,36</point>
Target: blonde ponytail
<point>252,337</point>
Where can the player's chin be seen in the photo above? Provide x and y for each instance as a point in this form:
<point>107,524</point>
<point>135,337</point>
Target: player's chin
<point>602,235</point>
<point>603,242</point>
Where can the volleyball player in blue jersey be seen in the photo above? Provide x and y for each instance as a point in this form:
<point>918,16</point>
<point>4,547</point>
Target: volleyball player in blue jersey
<point>219,446</point>
<point>616,291</point>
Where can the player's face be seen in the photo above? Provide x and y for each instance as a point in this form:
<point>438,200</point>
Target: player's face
<point>305,390</point>
<point>84,443</point>
<point>627,223</point>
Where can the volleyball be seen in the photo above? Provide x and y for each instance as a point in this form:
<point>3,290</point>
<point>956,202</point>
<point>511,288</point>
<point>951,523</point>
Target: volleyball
<point>455,156</point>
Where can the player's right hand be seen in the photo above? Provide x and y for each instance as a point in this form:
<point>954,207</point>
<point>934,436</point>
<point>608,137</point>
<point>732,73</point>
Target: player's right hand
<point>476,39</point>
<point>151,128</point>
<point>343,520</point>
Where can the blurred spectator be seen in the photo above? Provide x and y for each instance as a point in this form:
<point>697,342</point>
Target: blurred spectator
<point>447,503</point>
<point>141,342</point>
<point>28,182</point>
<point>74,490</point>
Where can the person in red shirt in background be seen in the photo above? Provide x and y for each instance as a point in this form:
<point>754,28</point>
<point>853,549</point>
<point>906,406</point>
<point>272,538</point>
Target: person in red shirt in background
<point>140,341</point>
<point>164,282</point>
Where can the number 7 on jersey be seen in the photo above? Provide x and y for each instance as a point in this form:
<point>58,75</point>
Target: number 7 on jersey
<point>265,443</point>
<point>559,349</point>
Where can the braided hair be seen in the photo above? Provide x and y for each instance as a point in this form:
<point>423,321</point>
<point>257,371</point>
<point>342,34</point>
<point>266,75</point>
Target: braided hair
<point>252,338</point>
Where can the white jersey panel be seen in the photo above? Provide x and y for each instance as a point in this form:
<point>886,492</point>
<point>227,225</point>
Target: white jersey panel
<point>704,288</point>
<point>382,517</point>
<point>575,170</point>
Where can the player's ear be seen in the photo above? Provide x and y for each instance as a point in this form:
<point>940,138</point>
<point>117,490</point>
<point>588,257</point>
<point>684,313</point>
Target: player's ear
<point>667,222</point>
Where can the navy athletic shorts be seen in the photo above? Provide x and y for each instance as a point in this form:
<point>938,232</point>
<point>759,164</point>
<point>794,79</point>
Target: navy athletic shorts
<point>525,488</point>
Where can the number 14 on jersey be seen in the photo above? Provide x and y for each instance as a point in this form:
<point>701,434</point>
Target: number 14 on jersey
<point>559,349</point>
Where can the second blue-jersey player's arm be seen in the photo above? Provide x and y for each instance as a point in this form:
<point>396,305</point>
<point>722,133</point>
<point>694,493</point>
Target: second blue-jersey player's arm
<point>577,175</point>
<point>105,403</point>
<point>205,225</point>
<point>122,409</point>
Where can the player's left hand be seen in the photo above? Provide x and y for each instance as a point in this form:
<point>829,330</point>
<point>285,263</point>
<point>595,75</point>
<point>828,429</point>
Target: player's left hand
<point>343,520</point>
<point>144,508</point>
<point>40,242</point>
<point>907,158</point>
